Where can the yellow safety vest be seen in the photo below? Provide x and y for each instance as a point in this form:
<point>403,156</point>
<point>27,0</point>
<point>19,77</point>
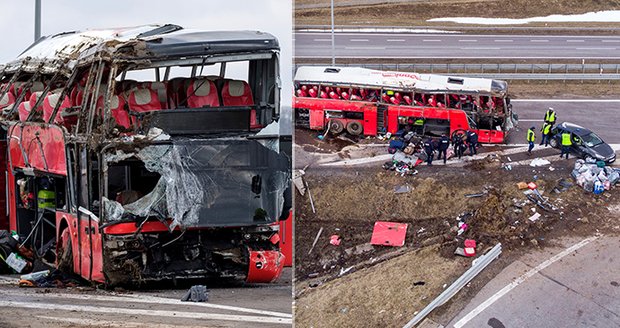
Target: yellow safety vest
<point>546,128</point>
<point>566,139</point>
<point>46,199</point>
<point>550,116</point>
<point>531,136</point>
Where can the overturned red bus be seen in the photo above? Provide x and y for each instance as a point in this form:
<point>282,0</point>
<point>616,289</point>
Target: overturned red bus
<point>367,102</point>
<point>147,153</point>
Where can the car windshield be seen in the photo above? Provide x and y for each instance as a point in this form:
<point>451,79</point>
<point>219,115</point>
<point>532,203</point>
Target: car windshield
<point>591,140</point>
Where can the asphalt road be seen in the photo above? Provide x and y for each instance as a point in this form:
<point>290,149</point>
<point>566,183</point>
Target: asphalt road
<point>600,116</point>
<point>260,305</point>
<point>580,289</point>
<point>455,46</point>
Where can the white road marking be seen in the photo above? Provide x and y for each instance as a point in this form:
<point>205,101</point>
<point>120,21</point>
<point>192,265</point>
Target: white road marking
<point>160,313</point>
<point>595,48</point>
<point>539,40</point>
<point>429,40</point>
<point>575,40</point>
<point>457,57</point>
<point>395,40</point>
<point>479,48</point>
<point>107,323</point>
<point>610,41</point>
<point>520,280</point>
<point>132,298</point>
<point>521,120</point>
<point>365,48</point>
<point>358,40</point>
<point>504,40</point>
<point>322,40</point>
<point>567,100</point>
<point>467,40</point>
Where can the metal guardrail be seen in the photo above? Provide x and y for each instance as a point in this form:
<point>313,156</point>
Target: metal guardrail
<point>599,72</point>
<point>478,265</point>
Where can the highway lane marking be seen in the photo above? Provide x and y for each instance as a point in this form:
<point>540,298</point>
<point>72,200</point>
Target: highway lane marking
<point>153,300</point>
<point>610,41</point>
<point>431,40</point>
<point>575,40</point>
<point>539,40</point>
<point>150,312</point>
<point>468,40</point>
<point>321,40</point>
<point>364,48</point>
<point>452,35</point>
<point>107,323</point>
<point>520,280</point>
<point>395,40</point>
<point>595,48</point>
<point>504,40</point>
<point>358,40</point>
<point>452,57</point>
<point>479,48</point>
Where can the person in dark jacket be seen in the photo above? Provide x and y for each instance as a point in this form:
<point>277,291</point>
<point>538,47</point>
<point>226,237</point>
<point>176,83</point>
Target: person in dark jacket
<point>428,149</point>
<point>472,141</point>
<point>444,143</point>
<point>458,144</point>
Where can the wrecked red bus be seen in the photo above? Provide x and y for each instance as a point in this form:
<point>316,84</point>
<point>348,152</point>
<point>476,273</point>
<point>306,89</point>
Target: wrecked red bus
<point>148,153</point>
<point>367,102</point>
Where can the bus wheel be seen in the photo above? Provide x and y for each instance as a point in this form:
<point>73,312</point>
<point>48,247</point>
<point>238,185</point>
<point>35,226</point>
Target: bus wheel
<point>460,133</point>
<point>65,252</point>
<point>336,126</point>
<point>355,128</point>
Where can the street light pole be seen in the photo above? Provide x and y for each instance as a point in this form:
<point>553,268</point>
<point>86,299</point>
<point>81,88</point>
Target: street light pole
<point>333,40</point>
<point>37,20</point>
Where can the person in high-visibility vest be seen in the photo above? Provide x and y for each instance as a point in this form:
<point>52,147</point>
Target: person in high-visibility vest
<point>566,143</point>
<point>46,197</point>
<point>531,136</point>
<point>550,116</point>
<point>546,130</point>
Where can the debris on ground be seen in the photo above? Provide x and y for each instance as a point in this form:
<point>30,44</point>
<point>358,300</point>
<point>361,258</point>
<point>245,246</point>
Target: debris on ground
<point>539,162</point>
<point>197,293</point>
<point>470,247</point>
<point>534,217</point>
<point>335,240</point>
<point>389,234</point>
<point>318,234</point>
<point>298,181</point>
<point>50,278</point>
<point>594,178</point>
<point>521,185</point>
<point>402,189</point>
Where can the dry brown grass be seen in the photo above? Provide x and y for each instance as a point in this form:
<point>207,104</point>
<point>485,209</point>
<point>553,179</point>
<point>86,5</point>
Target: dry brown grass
<point>380,296</point>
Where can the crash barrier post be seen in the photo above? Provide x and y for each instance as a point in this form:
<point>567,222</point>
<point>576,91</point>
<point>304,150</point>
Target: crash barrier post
<point>478,265</point>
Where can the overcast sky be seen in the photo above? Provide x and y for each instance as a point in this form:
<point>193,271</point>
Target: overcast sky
<point>273,16</point>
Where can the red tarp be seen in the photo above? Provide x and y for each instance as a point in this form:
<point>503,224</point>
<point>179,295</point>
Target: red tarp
<point>389,234</point>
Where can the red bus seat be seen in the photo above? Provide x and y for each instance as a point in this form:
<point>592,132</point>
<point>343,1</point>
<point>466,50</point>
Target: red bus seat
<point>7,100</point>
<point>202,93</point>
<point>24,110</point>
<point>117,110</point>
<point>144,100</point>
<point>48,107</point>
<point>237,93</point>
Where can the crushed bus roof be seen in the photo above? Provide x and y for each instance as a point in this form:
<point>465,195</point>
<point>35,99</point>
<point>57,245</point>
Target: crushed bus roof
<point>398,80</point>
<point>148,42</point>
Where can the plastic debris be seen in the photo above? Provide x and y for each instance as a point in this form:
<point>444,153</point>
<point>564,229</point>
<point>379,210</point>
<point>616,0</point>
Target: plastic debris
<point>534,217</point>
<point>389,234</point>
<point>318,234</point>
<point>335,240</point>
<point>198,293</point>
<point>539,162</point>
<point>402,189</point>
<point>470,247</point>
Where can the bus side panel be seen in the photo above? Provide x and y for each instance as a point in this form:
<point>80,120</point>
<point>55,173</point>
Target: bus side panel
<point>97,254</point>
<point>286,239</point>
<point>458,121</point>
<point>484,136</point>
<point>85,254</point>
<point>72,226</point>
<point>497,137</point>
<point>4,220</point>
<point>370,120</point>
<point>317,119</point>
<point>11,199</point>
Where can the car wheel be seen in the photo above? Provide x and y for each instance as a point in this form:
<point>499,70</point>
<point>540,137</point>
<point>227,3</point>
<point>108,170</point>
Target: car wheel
<point>589,159</point>
<point>553,142</point>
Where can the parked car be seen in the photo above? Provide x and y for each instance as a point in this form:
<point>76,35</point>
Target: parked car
<point>586,144</point>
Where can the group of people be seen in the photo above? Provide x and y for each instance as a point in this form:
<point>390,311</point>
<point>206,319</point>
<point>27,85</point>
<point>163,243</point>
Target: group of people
<point>549,121</point>
<point>460,143</point>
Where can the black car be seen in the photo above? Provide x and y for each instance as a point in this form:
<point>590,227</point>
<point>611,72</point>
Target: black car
<point>586,144</point>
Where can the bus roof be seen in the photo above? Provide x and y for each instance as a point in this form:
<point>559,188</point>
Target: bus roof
<point>399,80</point>
<point>147,41</point>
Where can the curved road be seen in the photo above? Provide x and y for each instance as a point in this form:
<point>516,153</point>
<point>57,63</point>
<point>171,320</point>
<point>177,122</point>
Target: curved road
<point>419,45</point>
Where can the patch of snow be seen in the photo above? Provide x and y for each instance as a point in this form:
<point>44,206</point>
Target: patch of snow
<point>610,16</point>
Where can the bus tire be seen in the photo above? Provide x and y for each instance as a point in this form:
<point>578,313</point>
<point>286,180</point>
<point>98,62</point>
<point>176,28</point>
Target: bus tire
<point>355,128</point>
<point>336,127</point>
<point>65,252</point>
<point>460,132</point>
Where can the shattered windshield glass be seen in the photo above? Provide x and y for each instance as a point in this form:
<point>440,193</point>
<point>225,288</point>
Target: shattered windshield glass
<point>591,140</point>
<point>209,182</point>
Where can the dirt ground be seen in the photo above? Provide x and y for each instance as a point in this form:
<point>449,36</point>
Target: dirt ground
<point>349,201</point>
<point>418,12</point>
